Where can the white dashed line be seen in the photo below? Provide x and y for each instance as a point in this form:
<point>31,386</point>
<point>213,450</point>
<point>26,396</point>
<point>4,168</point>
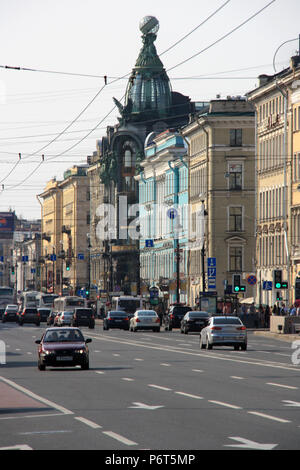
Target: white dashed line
<point>263,415</point>
<point>89,423</point>
<point>160,387</point>
<point>282,386</point>
<point>228,405</point>
<point>119,438</point>
<point>189,395</point>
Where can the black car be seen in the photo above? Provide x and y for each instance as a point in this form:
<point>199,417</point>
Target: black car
<point>10,313</point>
<point>63,347</point>
<point>174,316</point>
<point>194,321</point>
<point>44,313</point>
<point>29,315</point>
<point>83,317</point>
<point>116,319</point>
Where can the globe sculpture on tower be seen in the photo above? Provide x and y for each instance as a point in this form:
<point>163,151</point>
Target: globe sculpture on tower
<point>149,24</point>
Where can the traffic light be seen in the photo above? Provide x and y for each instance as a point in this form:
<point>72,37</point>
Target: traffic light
<point>13,270</point>
<point>278,279</point>
<point>87,293</point>
<point>284,285</point>
<point>67,265</point>
<point>237,287</point>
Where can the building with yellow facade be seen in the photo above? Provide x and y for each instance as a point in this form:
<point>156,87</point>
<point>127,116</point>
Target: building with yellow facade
<point>65,232</point>
<point>276,100</point>
<point>221,199</point>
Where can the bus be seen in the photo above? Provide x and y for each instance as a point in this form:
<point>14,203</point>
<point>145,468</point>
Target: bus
<point>7,296</point>
<point>127,303</point>
<point>45,300</point>
<point>69,303</point>
<point>27,299</point>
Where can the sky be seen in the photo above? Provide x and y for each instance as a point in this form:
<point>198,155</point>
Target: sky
<point>61,116</point>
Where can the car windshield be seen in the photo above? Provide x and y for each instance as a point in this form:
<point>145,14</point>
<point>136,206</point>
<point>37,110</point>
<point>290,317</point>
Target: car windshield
<point>117,314</point>
<point>145,313</point>
<point>31,310</point>
<point>227,321</point>
<point>181,310</point>
<point>68,314</point>
<point>61,335</point>
<point>83,311</point>
<point>198,314</point>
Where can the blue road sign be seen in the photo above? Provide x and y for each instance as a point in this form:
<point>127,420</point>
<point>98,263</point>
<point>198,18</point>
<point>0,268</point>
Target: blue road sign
<point>80,256</point>
<point>172,213</point>
<point>53,257</point>
<point>211,262</point>
<point>149,243</point>
<point>267,285</point>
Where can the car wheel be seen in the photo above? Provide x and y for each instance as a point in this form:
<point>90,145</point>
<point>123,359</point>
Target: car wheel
<point>201,344</point>
<point>85,366</point>
<point>236,347</point>
<point>20,323</point>
<point>38,324</point>
<point>186,331</point>
<point>208,344</point>
<point>244,347</point>
<point>41,366</point>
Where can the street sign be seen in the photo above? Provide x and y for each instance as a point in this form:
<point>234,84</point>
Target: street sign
<point>251,280</point>
<point>172,213</point>
<point>149,243</point>
<point>211,273</point>
<point>267,285</point>
<point>211,262</point>
<point>53,257</point>
<point>80,256</point>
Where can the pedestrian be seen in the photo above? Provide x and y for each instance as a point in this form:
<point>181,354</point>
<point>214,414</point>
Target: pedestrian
<point>293,310</point>
<point>298,311</point>
<point>267,316</point>
<point>275,310</point>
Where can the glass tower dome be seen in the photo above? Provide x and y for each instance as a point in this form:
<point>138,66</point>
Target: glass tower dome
<point>149,87</point>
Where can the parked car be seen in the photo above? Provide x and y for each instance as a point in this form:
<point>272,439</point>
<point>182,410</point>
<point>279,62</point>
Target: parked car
<point>83,317</point>
<point>29,315</point>
<point>116,319</point>
<point>44,313</point>
<point>10,313</point>
<point>224,331</point>
<point>145,320</point>
<point>51,317</point>
<point>64,318</point>
<point>63,347</point>
<point>174,316</point>
<point>194,321</point>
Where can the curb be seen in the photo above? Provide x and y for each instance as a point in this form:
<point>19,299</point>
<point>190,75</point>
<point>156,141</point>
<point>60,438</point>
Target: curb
<point>279,336</point>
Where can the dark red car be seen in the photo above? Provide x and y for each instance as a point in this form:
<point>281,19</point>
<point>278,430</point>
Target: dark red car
<point>63,347</point>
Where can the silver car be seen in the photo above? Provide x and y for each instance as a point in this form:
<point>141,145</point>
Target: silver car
<point>64,318</point>
<point>145,320</point>
<point>224,331</point>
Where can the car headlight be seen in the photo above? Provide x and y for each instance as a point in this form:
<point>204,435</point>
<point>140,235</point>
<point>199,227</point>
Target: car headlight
<point>80,351</point>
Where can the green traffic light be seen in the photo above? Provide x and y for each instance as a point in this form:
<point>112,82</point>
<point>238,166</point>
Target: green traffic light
<point>237,289</point>
<point>278,285</point>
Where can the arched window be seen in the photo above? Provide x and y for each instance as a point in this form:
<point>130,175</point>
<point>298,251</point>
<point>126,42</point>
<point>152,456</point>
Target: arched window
<point>127,158</point>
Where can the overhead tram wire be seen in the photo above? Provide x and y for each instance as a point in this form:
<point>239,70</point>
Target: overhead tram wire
<point>223,37</point>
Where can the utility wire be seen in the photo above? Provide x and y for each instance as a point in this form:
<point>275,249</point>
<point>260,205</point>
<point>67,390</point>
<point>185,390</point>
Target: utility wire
<point>223,37</point>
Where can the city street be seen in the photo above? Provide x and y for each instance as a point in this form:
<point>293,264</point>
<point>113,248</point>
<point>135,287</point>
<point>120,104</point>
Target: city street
<point>150,391</point>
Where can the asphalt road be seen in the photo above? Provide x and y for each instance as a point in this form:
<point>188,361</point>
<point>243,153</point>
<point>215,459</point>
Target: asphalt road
<point>151,391</point>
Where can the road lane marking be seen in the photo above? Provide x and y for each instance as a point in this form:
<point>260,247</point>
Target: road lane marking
<point>138,359</point>
<point>51,404</point>
<point>128,379</point>
<point>120,438</point>
<point>197,370</point>
<point>17,447</point>
<point>236,377</point>
<point>164,364</point>
<point>100,372</point>
<point>189,395</point>
<point>282,386</point>
<point>89,423</point>
<point>263,415</point>
<point>160,387</point>
<point>228,405</point>
<point>206,354</point>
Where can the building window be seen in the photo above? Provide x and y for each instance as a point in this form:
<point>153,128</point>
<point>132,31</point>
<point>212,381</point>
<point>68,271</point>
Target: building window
<point>235,176</point>
<point>235,137</point>
<point>235,258</point>
<point>235,219</point>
